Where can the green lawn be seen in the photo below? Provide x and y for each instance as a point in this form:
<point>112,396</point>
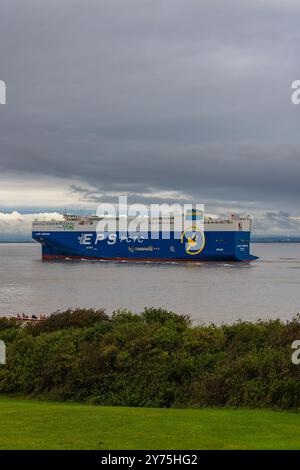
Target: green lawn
<point>26,424</point>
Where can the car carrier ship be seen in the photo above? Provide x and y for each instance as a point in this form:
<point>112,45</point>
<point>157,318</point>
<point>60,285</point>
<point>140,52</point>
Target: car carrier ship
<point>78,238</point>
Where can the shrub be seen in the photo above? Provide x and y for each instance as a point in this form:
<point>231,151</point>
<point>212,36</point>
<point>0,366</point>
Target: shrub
<point>155,358</point>
<point>77,318</point>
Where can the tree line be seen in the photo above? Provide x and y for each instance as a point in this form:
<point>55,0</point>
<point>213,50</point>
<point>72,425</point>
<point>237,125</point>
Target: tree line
<point>154,359</point>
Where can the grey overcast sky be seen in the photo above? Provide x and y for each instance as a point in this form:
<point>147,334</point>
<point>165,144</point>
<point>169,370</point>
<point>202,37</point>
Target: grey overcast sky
<point>163,100</point>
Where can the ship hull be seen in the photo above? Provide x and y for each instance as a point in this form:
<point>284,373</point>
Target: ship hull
<point>84,245</point>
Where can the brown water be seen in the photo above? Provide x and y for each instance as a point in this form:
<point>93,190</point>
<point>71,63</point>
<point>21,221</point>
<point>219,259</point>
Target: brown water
<point>209,292</point>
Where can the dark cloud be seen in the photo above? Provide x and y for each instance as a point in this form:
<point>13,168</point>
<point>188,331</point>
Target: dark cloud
<point>190,98</point>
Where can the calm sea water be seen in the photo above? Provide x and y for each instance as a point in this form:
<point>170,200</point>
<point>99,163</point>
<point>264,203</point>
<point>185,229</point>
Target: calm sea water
<point>209,292</point>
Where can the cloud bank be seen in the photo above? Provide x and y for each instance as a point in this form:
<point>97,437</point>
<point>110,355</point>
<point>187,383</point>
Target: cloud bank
<point>162,100</point>
<point>16,226</point>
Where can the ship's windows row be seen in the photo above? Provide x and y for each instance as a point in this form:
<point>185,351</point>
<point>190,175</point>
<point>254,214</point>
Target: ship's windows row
<point>49,223</point>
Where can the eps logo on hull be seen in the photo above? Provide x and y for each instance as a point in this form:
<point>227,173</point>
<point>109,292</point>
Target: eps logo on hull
<point>194,240</point>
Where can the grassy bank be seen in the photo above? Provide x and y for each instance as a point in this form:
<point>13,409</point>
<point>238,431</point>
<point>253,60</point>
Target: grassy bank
<point>29,424</point>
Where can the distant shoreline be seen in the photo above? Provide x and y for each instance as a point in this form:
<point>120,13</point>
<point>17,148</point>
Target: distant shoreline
<point>17,241</point>
<point>275,241</point>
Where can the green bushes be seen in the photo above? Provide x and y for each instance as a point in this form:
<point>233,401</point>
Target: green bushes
<point>155,358</point>
<point>7,323</point>
<point>79,318</point>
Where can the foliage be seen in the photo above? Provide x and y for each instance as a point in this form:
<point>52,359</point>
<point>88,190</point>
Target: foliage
<point>78,318</point>
<point>153,359</point>
<point>7,323</point>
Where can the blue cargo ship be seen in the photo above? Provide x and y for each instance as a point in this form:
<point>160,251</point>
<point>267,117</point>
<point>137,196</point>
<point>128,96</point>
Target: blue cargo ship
<point>78,238</point>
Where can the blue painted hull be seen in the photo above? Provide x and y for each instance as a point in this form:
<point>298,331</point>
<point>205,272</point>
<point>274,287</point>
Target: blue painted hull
<point>218,246</point>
